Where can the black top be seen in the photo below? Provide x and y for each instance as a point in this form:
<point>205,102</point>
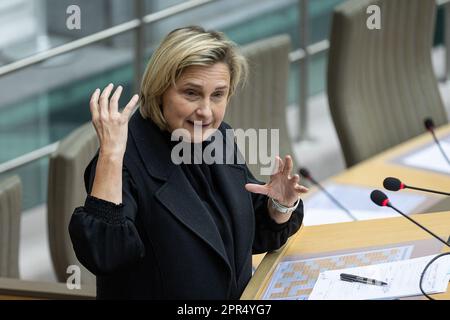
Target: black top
<point>202,178</point>
<point>181,232</point>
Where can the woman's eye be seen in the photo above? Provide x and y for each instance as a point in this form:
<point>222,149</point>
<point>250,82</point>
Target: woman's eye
<point>190,93</point>
<point>218,94</point>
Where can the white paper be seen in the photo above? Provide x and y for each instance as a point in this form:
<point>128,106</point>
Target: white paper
<point>430,158</point>
<point>402,278</point>
<point>319,209</point>
<point>295,279</point>
<point>314,216</point>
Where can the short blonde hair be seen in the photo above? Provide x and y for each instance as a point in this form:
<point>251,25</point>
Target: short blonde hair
<point>180,49</point>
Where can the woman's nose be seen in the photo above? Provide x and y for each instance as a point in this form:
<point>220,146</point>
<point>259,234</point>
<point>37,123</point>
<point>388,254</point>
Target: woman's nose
<point>205,108</point>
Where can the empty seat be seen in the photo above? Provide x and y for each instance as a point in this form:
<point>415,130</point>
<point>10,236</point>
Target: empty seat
<point>10,215</point>
<point>66,191</point>
<point>261,104</point>
<point>381,83</point>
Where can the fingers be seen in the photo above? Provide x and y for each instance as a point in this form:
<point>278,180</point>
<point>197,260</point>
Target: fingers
<point>102,106</point>
<point>257,188</point>
<point>104,102</point>
<point>288,164</point>
<point>280,165</point>
<point>301,189</point>
<point>93,105</point>
<point>114,102</point>
<point>130,106</point>
<point>295,179</point>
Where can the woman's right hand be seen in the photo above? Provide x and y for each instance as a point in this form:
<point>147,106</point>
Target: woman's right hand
<point>110,124</point>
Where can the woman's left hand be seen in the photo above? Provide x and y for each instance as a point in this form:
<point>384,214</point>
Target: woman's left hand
<point>282,187</point>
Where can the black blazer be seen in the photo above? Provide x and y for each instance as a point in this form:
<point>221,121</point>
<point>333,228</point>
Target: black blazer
<point>161,243</point>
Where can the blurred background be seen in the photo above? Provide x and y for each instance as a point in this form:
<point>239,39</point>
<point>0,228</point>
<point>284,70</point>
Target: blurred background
<point>44,94</point>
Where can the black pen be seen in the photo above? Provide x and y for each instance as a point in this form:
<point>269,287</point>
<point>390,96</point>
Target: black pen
<point>353,278</point>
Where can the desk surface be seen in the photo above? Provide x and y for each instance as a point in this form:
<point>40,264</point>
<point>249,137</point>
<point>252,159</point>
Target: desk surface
<point>372,172</point>
<point>314,239</point>
<point>348,236</point>
<point>361,234</point>
<point>15,289</point>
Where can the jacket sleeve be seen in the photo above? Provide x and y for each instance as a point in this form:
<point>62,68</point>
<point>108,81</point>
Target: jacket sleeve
<point>270,235</point>
<point>103,234</point>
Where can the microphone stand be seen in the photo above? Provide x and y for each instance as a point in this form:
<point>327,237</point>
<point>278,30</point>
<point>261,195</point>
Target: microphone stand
<point>337,203</point>
<point>428,190</point>
<point>439,145</point>
<point>384,201</point>
<point>419,225</point>
<point>432,260</point>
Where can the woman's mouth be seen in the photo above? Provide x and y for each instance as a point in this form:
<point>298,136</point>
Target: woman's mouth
<point>199,123</point>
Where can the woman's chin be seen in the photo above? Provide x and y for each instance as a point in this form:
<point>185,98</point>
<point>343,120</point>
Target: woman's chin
<point>200,135</point>
<point>198,138</point>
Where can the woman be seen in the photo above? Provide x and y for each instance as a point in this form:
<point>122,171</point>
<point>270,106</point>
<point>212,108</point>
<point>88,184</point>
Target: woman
<point>154,229</point>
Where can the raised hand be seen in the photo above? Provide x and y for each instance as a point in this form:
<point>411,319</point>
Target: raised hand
<point>110,124</point>
<point>282,187</point>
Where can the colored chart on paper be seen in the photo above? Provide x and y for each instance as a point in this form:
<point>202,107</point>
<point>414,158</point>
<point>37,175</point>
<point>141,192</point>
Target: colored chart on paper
<point>294,280</point>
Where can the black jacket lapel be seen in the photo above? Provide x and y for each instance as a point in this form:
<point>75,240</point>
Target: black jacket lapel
<point>176,194</point>
<point>188,209</point>
<point>231,180</point>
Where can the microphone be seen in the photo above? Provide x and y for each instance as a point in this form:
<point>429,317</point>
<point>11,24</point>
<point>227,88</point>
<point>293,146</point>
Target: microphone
<point>429,125</point>
<point>394,184</point>
<point>381,199</point>
<point>305,173</point>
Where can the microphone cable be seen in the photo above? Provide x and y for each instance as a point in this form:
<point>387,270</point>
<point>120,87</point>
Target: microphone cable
<point>382,200</point>
<point>422,276</point>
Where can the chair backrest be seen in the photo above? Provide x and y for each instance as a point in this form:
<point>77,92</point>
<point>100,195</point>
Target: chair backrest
<point>261,104</point>
<point>66,191</point>
<point>10,215</point>
<point>381,83</point>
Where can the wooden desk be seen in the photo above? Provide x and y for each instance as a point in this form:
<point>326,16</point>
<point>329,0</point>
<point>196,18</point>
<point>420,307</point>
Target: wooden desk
<point>15,289</point>
<point>372,172</point>
<point>369,173</point>
<point>308,239</point>
<point>348,236</point>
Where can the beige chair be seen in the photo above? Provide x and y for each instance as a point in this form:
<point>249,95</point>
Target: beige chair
<point>381,83</point>
<point>10,215</point>
<point>66,191</point>
<point>261,104</point>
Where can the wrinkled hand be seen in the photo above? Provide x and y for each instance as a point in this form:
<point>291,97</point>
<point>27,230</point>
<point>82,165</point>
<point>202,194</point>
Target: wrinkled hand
<point>282,187</point>
<point>110,124</point>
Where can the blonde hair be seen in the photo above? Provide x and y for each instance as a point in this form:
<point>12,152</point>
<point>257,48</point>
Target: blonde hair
<point>180,49</point>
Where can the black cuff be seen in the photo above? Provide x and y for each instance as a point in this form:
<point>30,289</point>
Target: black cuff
<point>280,226</point>
<point>107,211</point>
<point>272,225</point>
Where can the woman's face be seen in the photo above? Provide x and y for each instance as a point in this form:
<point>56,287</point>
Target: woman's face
<point>200,96</point>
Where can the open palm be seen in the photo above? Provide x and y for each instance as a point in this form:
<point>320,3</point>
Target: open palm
<point>281,187</point>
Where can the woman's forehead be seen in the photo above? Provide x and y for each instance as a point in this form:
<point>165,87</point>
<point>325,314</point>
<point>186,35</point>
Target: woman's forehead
<point>217,75</point>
